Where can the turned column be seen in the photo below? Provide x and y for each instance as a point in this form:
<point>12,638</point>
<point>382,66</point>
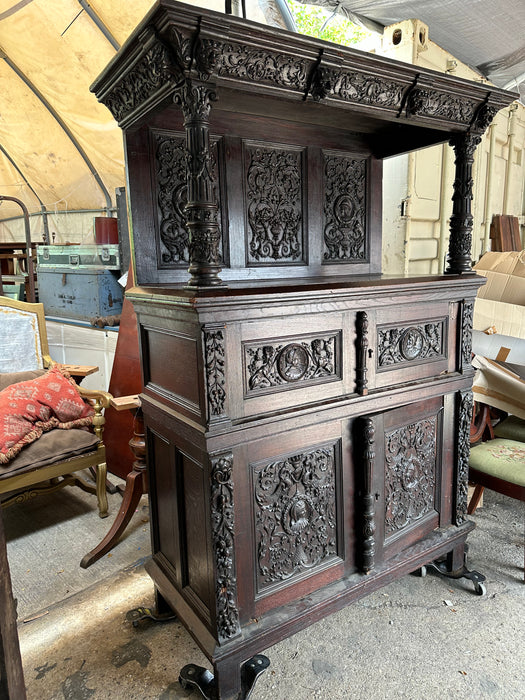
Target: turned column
<point>202,208</point>
<point>460,242</point>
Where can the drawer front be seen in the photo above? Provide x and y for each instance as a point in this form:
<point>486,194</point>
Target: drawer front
<point>276,366</point>
<point>419,344</point>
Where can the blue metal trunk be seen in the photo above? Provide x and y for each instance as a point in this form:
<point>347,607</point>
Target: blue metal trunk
<point>79,294</point>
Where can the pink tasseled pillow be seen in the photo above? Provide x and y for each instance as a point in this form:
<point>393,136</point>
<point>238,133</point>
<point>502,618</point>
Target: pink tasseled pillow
<point>27,409</point>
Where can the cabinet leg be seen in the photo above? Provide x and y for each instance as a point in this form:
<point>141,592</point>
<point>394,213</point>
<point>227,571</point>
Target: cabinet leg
<point>229,682</point>
<point>454,565</point>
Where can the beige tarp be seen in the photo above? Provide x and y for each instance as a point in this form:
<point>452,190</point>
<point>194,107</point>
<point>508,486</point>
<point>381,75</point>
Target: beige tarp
<point>54,147</point>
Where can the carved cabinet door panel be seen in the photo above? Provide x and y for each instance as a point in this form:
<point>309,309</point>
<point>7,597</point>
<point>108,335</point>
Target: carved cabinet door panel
<point>411,456</point>
<point>295,535</point>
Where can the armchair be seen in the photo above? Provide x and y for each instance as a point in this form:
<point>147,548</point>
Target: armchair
<point>57,455</point>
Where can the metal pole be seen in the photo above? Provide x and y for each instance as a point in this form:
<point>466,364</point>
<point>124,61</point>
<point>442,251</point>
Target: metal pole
<point>29,256</point>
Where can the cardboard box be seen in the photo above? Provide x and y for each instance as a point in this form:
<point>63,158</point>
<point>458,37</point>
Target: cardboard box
<point>501,301</point>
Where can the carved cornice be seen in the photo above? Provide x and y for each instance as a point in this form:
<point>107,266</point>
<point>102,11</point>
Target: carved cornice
<point>190,44</point>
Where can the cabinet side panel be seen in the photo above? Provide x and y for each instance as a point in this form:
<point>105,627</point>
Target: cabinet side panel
<point>195,540</point>
<point>172,367</point>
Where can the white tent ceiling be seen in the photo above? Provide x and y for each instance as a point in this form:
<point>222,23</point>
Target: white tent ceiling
<point>61,150</point>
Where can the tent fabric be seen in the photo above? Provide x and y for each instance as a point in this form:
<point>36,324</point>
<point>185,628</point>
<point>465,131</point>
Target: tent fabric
<point>61,149</point>
<point>58,146</point>
<point>487,36</point>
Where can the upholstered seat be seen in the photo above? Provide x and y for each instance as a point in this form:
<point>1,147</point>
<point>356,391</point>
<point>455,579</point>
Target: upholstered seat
<point>51,429</point>
<point>500,458</point>
<point>497,464</point>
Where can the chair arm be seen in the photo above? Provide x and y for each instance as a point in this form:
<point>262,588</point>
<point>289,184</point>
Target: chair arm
<point>101,397</point>
<point>99,400</point>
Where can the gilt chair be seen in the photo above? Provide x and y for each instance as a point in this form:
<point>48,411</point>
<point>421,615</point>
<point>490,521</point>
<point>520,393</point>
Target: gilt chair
<point>55,459</point>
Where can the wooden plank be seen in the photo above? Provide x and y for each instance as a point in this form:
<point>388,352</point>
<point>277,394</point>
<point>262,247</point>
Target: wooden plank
<point>12,684</point>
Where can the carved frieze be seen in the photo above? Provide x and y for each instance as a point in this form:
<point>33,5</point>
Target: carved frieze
<point>274,205</point>
<point>149,74</point>
<point>223,529</point>
<point>410,473</point>
<point>344,227</point>
<point>282,363</point>
<point>295,505</point>
<point>172,197</point>
<point>353,86</point>
<point>400,344</point>
<point>236,60</point>
<point>464,408</point>
<point>214,357</point>
<point>430,103</point>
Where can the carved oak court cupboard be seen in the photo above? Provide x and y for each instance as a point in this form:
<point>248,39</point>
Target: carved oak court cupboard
<point>307,418</point>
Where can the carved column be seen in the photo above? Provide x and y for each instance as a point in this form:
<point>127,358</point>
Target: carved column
<point>464,408</point>
<point>369,527</point>
<point>460,243</point>
<point>202,209</point>
<point>222,521</point>
<point>362,352</point>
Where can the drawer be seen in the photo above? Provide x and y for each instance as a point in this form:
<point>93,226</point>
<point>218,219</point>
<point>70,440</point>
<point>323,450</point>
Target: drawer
<point>418,345</point>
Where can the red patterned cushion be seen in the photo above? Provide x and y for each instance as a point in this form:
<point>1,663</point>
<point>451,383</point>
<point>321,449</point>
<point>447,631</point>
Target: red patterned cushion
<point>29,408</point>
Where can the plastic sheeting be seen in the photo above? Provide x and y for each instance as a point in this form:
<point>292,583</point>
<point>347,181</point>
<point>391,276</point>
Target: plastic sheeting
<point>58,146</point>
<point>487,36</point>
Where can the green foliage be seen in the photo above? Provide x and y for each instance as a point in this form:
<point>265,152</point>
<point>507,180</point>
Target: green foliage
<point>312,20</point>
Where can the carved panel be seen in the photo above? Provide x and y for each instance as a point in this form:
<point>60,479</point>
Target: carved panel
<point>465,404</point>
<point>215,372</point>
<point>172,197</point>
<point>410,473</point>
<point>274,205</point>
<point>467,320</point>
<point>222,519</point>
<point>401,344</point>
<point>344,227</point>
<point>295,505</point>
<point>284,363</point>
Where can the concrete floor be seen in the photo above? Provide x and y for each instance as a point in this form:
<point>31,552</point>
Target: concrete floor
<point>416,638</point>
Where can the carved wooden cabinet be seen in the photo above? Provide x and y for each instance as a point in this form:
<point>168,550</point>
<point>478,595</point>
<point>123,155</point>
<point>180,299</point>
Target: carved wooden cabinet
<point>307,418</point>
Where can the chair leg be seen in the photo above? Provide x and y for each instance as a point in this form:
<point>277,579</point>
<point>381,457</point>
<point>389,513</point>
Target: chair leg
<point>476,498</point>
<point>102,498</point>
<point>132,495</point>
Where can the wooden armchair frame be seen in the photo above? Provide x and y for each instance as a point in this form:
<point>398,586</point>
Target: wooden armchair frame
<point>29,482</point>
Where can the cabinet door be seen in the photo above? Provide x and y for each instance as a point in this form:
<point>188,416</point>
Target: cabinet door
<point>412,473</point>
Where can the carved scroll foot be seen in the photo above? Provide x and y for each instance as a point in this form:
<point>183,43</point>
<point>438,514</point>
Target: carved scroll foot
<point>192,676</point>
